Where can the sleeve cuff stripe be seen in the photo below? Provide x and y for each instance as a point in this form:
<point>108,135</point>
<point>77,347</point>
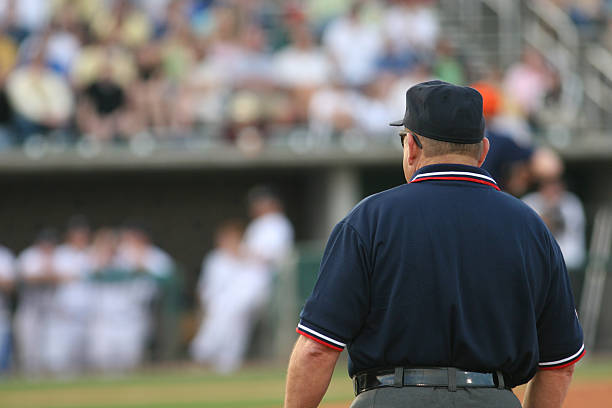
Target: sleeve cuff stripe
<point>320,336</point>
<point>564,362</point>
<point>317,340</point>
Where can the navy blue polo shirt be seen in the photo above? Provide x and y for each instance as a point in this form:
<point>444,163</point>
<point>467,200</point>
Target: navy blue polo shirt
<point>445,271</point>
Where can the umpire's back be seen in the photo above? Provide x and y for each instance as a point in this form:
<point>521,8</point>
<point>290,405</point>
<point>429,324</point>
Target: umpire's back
<point>441,285</point>
<point>460,275</point>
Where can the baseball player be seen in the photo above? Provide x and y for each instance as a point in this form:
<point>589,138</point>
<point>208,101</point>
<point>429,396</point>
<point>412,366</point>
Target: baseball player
<point>269,236</point>
<point>446,291</point>
<point>120,316</point>
<point>233,288</point>
<point>38,279</point>
<point>69,314</point>
<point>7,279</point>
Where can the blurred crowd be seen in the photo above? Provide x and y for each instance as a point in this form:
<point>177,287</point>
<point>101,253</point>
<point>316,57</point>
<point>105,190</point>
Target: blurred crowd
<point>83,302</point>
<point>92,301</point>
<point>593,18</point>
<point>536,175</point>
<point>244,72</point>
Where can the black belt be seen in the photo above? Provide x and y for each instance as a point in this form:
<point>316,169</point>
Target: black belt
<point>426,377</point>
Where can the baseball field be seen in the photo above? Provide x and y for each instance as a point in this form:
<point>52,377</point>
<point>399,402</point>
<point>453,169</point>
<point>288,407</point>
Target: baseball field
<point>253,387</point>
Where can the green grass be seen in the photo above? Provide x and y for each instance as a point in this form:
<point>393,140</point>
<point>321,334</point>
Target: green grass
<point>186,387</point>
<point>257,387</point>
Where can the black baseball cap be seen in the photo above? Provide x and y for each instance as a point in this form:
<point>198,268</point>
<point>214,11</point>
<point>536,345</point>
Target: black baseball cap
<point>446,112</point>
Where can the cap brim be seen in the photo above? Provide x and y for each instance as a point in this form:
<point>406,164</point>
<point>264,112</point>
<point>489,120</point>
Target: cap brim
<point>397,123</point>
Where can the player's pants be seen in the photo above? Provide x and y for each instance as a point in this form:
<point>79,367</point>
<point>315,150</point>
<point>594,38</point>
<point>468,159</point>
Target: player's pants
<point>5,349</point>
<point>117,344</point>
<point>225,332</point>
<point>66,344</point>
<point>31,337</point>
<point>408,397</point>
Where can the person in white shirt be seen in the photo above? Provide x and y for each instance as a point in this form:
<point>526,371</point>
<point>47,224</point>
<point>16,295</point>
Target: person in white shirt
<point>71,301</point>
<point>269,236</point>
<point>38,278</point>
<point>563,213</point>
<point>120,316</point>
<point>561,210</point>
<point>7,279</point>
<point>354,45</point>
<point>232,290</point>
<point>136,252</point>
<point>411,26</point>
<point>149,265</point>
<point>301,64</point>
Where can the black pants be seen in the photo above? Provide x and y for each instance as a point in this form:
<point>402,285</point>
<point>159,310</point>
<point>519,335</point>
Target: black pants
<point>429,397</point>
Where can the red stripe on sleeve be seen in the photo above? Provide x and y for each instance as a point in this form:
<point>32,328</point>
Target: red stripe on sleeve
<point>569,363</point>
<point>317,340</point>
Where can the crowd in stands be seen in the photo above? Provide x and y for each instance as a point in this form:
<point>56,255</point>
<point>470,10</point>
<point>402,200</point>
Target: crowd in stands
<point>244,72</point>
<point>593,18</point>
<point>83,302</point>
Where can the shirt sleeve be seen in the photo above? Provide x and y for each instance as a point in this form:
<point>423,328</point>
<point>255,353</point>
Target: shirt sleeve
<point>335,311</point>
<point>559,332</point>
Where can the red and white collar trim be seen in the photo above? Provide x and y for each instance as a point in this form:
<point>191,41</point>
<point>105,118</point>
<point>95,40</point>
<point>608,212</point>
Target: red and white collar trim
<point>456,176</point>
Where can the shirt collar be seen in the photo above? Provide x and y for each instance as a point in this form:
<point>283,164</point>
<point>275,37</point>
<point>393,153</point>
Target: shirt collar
<point>454,172</point>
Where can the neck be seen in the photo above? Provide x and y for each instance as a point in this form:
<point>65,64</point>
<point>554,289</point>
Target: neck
<point>447,159</point>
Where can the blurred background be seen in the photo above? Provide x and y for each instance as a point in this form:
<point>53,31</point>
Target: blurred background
<point>170,169</point>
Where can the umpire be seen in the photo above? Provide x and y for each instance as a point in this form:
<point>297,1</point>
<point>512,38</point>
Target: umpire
<point>445,291</point>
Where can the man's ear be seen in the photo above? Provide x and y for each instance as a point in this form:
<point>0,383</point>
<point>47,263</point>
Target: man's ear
<point>485,150</point>
<point>413,150</point>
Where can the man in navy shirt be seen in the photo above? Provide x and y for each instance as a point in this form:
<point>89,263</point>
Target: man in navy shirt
<point>445,291</point>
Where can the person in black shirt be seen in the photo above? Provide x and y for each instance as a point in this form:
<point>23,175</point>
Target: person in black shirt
<point>103,106</point>
<point>445,291</point>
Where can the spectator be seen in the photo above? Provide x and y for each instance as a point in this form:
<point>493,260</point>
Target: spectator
<point>101,113</point>
<point>178,56</point>
<point>38,279</point>
<point>92,58</point>
<point>509,159</point>
<point>232,288</point>
<point>123,22</point>
<point>70,310</point>
<point>301,68</point>
<point>301,64</point>
<point>588,15</point>
<point>396,62</point>
<point>147,90</point>
<point>446,66</point>
<point>562,211</point>
<point>412,26</point>
<point>8,57</point>
<point>349,33</point>
<point>42,100</point>
<point>25,16</point>
<point>528,82</point>
<point>372,111</point>
<point>65,40</point>
<point>7,282</point>
<point>331,109</point>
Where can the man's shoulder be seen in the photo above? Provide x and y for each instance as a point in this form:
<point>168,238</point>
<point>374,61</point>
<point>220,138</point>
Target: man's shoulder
<point>379,199</point>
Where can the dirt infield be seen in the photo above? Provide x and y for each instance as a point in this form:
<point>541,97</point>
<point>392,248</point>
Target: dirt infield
<point>582,394</point>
